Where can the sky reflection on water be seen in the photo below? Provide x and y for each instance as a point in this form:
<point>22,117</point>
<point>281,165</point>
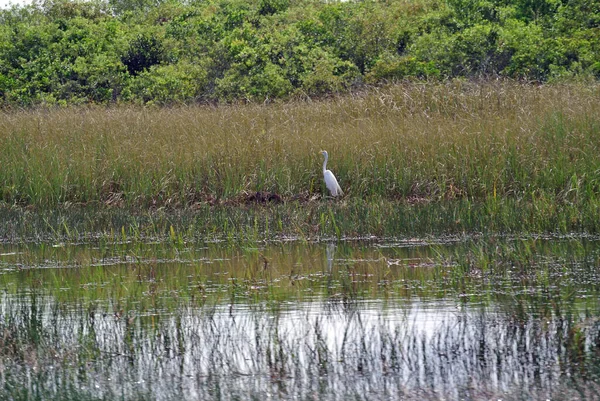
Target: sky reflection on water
<point>299,321</point>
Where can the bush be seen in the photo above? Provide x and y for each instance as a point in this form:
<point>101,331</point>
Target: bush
<point>392,67</point>
<point>531,54</point>
<point>165,84</point>
<point>144,51</point>
<point>328,74</point>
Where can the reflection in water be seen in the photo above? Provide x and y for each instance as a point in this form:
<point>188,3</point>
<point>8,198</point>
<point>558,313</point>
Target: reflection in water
<point>304,350</point>
<point>284,323</point>
<point>330,256</point>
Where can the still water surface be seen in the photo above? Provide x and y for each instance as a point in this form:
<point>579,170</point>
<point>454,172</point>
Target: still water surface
<point>504,319</point>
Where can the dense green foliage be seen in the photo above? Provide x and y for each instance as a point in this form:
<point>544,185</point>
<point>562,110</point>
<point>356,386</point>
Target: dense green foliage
<point>169,51</point>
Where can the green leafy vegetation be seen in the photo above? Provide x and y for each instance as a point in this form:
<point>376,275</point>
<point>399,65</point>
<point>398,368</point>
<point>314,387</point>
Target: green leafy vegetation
<point>169,51</point>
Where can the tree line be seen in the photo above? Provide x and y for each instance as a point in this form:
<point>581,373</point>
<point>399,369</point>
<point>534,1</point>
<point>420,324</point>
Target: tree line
<point>175,51</point>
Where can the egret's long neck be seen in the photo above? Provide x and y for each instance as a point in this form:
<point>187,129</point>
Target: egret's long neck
<point>325,163</point>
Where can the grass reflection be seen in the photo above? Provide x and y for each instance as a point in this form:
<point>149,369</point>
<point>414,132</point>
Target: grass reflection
<point>501,317</point>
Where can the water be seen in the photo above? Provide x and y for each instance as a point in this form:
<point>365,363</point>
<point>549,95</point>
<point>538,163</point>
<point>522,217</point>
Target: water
<point>505,318</point>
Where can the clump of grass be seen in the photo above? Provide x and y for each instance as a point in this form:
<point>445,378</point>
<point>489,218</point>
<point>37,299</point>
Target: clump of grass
<point>417,142</point>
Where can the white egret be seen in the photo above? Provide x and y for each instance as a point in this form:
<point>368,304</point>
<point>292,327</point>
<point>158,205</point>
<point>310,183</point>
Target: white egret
<point>330,180</point>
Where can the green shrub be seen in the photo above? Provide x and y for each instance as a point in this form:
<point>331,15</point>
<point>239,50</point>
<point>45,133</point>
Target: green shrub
<point>531,54</point>
<point>328,74</point>
<point>391,67</point>
<point>144,51</point>
<point>171,83</point>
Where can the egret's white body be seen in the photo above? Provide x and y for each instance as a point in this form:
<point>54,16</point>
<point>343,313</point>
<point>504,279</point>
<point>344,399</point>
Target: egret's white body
<point>330,180</point>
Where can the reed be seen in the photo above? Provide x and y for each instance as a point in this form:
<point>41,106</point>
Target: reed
<point>314,221</point>
<point>413,142</point>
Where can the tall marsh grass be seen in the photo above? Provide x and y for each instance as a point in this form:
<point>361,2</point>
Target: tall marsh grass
<point>413,142</point>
